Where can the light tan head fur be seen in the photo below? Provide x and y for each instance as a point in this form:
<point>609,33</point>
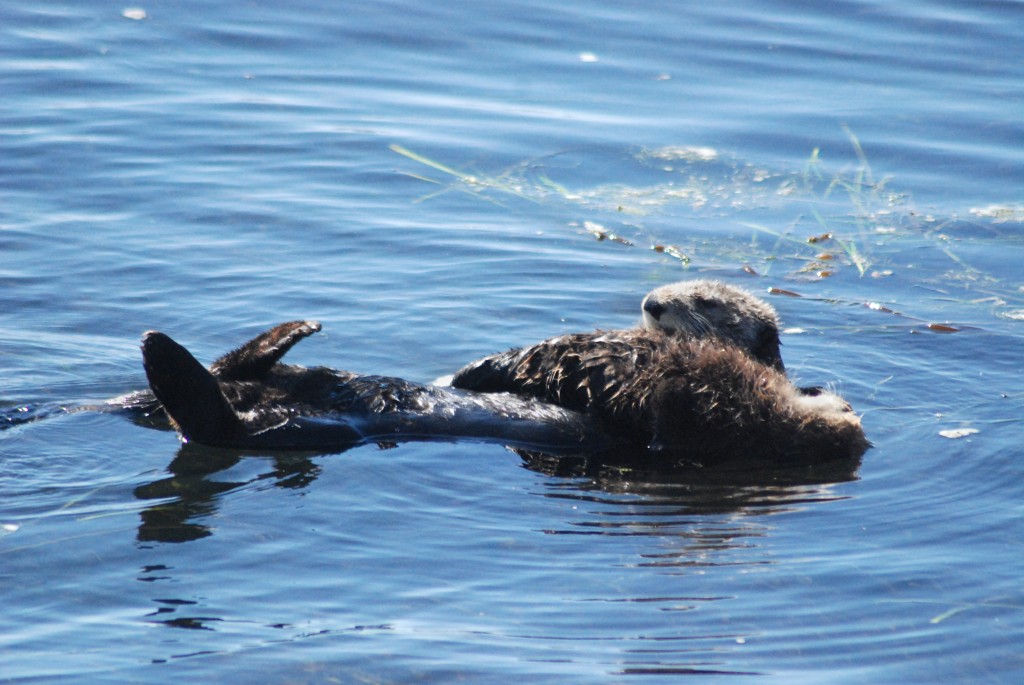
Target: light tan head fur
<point>710,309</point>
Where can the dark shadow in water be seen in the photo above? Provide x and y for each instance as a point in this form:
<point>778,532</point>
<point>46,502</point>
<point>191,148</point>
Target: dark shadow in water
<point>195,494</point>
<point>699,508</point>
<point>623,469</point>
<point>706,490</point>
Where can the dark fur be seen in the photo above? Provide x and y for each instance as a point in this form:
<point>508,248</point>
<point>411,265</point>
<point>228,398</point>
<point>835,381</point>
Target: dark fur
<point>249,399</point>
<point>695,400</point>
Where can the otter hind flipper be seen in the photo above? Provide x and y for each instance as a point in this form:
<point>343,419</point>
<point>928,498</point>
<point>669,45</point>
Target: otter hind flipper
<point>189,393</point>
<point>255,358</point>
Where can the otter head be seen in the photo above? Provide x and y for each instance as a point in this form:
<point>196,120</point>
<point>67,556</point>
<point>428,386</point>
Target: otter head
<point>710,309</point>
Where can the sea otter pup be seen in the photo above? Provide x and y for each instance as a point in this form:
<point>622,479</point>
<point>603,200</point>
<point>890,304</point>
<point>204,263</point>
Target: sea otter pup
<point>709,399</point>
<point>249,399</point>
<point>712,309</point>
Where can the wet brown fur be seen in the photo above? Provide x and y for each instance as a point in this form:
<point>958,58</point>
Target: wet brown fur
<point>695,400</point>
<point>248,398</point>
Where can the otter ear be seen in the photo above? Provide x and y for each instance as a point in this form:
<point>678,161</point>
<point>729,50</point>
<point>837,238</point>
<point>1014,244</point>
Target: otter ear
<point>768,351</point>
<point>255,358</point>
<point>189,393</point>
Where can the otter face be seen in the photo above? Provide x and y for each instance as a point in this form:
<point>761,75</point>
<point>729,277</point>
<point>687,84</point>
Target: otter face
<point>703,309</point>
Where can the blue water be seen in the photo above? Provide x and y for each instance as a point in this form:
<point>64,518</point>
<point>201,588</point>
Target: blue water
<point>429,181</point>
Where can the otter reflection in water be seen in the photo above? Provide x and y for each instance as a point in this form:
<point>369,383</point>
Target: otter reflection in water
<point>674,397</point>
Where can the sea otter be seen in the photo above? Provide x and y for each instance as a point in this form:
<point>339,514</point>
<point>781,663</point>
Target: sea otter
<point>716,397</point>
<point>260,402</point>
<point>249,399</point>
<point>700,382</point>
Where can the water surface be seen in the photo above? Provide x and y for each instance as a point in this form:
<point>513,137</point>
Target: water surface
<point>438,182</point>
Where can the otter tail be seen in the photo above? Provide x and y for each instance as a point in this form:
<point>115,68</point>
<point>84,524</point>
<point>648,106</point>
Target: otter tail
<point>18,414</point>
<point>189,393</point>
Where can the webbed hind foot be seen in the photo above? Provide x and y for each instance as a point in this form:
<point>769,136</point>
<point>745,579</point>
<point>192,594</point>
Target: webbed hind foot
<point>254,359</point>
<point>189,393</point>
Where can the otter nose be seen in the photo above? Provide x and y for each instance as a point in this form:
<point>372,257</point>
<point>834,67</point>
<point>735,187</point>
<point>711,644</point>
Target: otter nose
<point>654,308</point>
